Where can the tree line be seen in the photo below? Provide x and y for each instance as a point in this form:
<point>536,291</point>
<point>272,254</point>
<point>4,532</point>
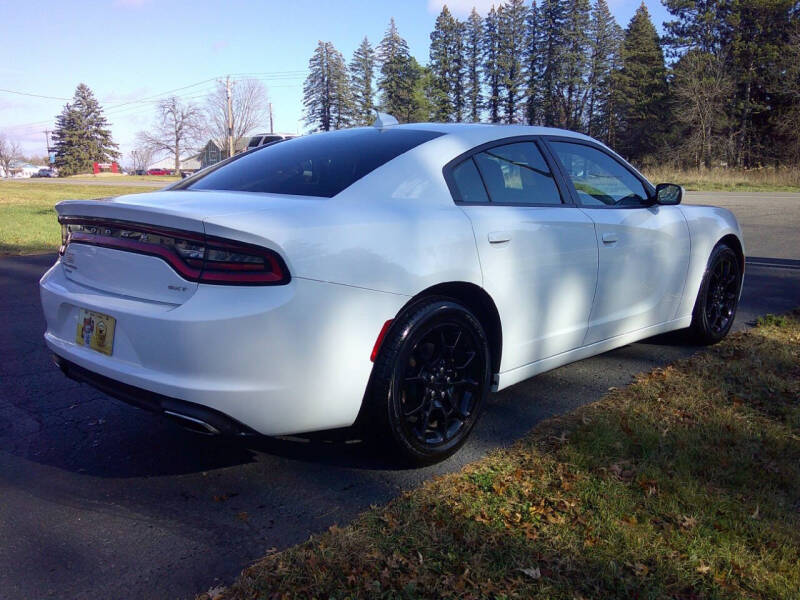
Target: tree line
<point>722,86</point>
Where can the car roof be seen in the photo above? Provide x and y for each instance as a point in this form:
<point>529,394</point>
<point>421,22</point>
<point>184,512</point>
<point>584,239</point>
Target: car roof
<point>491,131</point>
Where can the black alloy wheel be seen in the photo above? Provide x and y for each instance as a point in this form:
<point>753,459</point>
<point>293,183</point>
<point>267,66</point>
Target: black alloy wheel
<point>715,308</point>
<point>431,379</point>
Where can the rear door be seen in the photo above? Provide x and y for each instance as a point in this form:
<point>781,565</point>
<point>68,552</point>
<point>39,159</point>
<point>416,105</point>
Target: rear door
<point>538,251</point>
<point>643,247</point>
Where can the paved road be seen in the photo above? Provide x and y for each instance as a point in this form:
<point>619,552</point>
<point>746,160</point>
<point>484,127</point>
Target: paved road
<point>100,500</point>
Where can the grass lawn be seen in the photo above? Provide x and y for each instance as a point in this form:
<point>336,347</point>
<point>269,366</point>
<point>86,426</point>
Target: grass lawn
<point>28,220</point>
<point>685,484</point>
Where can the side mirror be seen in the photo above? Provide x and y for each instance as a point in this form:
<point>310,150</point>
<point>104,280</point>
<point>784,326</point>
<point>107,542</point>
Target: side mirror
<point>669,194</point>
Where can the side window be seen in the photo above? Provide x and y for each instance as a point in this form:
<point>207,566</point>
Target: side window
<point>599,179</point>
<point>517,173</point>
<point>468,181</point>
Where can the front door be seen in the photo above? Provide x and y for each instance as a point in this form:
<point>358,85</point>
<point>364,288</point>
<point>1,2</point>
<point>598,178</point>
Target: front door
<point>643,247</point>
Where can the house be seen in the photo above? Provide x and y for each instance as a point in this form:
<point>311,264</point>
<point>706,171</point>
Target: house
<point>210,154</point>
<point>20,170</point>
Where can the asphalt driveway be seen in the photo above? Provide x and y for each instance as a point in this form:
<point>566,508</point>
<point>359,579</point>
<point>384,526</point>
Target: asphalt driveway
<point>100,500</point>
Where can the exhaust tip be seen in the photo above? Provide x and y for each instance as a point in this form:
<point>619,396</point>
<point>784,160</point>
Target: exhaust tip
<point>192,424</point>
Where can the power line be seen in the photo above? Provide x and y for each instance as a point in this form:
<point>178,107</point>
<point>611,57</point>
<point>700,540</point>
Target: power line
<point>18,93</point>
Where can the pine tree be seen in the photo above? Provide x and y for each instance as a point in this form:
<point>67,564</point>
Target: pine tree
<point>473,34</point>
<point>491,67</point>
<point>533,66</point>
<point>698,25</point>
<point>399,75</point>
<point>326,91</point>
<point>604,42</point>
<point>444,64</point>
<point>511,50</point>
<point>552,26</point>
<point>82,135</point>
<point>641,88</point>
<point>575,62</point>
<point>362,68</point>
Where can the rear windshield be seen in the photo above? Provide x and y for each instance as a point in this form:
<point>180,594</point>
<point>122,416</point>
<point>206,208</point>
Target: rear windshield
<point>322,164</point>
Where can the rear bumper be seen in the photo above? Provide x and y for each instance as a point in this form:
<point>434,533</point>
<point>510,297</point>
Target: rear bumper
<point>194,416</point>
<point>277,360</point>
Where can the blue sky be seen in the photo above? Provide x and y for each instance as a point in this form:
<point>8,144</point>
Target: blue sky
<point>129,50</point>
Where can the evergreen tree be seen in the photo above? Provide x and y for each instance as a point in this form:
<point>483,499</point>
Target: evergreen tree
<point>698,25</point>
<point>326,91</point>
<point>606,115</point>
<point>604,39</point>
<point>491,66</point>
<point>362,68</point>
<point>82,135</point>
<point>472,63</point>
<point>641,87</point>
<point>511,51</point>
<point>533,67</point>
<point>446,65</point>
<point>400,75</point>
<point>422,106</point>
<point>574,61</point>
<point>552,26</point>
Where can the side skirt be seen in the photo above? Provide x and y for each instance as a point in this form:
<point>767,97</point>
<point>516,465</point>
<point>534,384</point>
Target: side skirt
<point>508,378</point>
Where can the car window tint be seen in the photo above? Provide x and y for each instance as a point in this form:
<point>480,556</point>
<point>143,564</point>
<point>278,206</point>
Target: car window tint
<point>321,164</point>
<point>469,184</point>
<point>598,178</point>
<point>517,173</point>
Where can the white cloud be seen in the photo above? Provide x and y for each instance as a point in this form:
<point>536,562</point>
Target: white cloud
<point>462,8</point>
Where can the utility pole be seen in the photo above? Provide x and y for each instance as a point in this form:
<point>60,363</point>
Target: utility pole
<point>230,115</point>
<point>47,141</point>
<point>271,129</point>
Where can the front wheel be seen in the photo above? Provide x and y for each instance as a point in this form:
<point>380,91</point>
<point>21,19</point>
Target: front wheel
<point>431,379</point>
<point>715,307</point>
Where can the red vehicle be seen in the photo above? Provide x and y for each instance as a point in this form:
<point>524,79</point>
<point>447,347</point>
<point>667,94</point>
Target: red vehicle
<point>158,172</point>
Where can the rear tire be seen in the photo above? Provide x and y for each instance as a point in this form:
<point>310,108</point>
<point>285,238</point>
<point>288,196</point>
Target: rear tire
<point>430,381</point>
<point>718,298</point>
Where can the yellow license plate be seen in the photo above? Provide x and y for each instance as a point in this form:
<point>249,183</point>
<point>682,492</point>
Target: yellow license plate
<point>95,331</point>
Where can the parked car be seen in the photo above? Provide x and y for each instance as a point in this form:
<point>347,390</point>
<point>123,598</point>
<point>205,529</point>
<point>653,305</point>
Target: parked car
<point>384,277</point>
<point>158,172</point>
<point>45,173</point>
<point>263,139</point>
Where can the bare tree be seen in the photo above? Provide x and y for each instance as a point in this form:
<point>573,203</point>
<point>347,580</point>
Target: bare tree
<point>178,129</point>
<point>9,152</point>
<point>702,92</point>
<point>141,157</point>
<point>249,110</point>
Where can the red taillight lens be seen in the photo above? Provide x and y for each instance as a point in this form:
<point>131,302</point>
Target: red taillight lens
<point>193,255</point>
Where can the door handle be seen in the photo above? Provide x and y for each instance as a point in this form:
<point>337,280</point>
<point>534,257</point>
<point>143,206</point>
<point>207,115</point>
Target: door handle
<point>498,237</point>
<point>610,238</point>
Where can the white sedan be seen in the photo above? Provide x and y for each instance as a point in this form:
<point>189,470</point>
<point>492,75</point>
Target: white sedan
<point>388,276</point>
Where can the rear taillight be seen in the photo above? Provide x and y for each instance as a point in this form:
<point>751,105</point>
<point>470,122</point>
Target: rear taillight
<point>194,256</point>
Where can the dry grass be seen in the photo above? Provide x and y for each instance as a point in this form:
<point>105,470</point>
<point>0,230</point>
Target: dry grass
<point>784,179</point>
<point>685,484</point>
